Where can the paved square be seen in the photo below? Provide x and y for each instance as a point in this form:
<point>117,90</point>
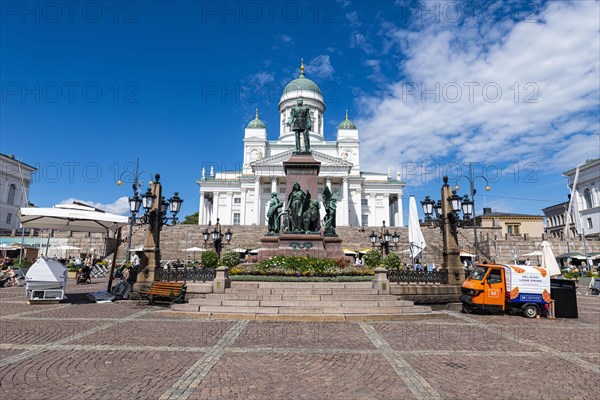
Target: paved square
<point>78,350</point>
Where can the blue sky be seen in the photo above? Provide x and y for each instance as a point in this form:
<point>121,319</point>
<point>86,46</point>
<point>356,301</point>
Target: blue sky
<point>89,87</point>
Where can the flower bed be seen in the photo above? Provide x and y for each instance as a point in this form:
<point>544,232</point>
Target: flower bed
<point>301,267</point>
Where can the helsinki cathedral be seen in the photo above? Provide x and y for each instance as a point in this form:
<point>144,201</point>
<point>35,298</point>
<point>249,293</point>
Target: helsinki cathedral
<point>242,197</point>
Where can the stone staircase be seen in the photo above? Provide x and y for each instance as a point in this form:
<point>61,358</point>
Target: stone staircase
<point>355,301</point>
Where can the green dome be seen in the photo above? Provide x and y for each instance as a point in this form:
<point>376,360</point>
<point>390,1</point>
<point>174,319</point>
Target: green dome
<point>346,124</point>
<point>302,83</point>
<point>256,123</point>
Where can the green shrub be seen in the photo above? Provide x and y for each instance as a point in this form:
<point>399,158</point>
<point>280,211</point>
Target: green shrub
<point>392,261</point>
<point>279,278</point>
<point>372,259</point>
<point>230,259</point>
<point>295,266</point>
<point>209,259</point>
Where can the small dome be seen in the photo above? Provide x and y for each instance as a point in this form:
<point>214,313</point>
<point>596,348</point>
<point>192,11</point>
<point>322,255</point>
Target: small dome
<point>301,83</point>
<point>256,123</point>
<point>346,124</point>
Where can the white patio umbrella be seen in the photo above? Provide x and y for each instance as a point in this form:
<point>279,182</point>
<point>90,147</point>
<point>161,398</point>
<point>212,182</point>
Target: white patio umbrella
<point>194,250</point>
<point>535,253</point>
<point>548,259</point>
<point>415,236</point>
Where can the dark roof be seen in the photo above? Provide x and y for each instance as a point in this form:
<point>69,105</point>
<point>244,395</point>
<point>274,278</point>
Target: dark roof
<point>504,214</point>
<point>12,157</point>
<point>556,205</point>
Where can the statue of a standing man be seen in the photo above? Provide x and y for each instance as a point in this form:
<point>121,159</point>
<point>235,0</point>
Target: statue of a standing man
<point>301,123</point>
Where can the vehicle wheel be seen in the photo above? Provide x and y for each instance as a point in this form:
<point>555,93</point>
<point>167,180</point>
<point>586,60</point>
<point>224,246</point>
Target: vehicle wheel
<point>530,311</point>
<point>467,309</point>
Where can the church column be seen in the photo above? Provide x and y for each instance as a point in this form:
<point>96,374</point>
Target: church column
<point>345,207</point>
<point>257,200</point>
<point>328,183</point>
<point>243,208</point>
<point>215,212</point>
<point>228,217</point>
<point>201,211</point>
<point>274,184</point>
<point>372,209</point>
<point>400,211</point>
<point>386,206</point>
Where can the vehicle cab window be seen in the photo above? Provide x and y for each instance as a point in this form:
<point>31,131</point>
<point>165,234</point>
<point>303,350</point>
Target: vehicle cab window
<point>478,273</point>
<point>495,276</point>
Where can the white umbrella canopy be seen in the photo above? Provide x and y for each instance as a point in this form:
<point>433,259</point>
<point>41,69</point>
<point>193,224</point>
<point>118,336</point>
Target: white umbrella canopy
<point>415,236</point>
<point>464,253</point>
<point>65,247</point>
<point>548,259</point>
<point>536,253</point>
<point>71,217</point>
<point>194,249</point>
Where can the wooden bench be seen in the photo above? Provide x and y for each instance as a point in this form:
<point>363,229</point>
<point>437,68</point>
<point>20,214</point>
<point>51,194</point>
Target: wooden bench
<point>166,292</point>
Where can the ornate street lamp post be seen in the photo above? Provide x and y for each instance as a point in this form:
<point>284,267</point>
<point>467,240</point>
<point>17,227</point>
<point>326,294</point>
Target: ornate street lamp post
<point>383,241</point>
<point>155,217</point>
<point>471,178</point>
<point>217,238</point>
<point>447,218</point>
<point>134,201</point>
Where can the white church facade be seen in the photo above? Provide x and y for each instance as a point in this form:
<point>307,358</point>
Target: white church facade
<point>242,197</point>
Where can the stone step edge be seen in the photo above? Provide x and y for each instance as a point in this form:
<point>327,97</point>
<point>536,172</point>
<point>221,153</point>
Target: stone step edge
<point>345,318</point>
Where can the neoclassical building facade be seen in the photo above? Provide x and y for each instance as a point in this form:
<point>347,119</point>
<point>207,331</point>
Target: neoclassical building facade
<point>586,201</point>
<point>242,197</point>
<point>15,179</point>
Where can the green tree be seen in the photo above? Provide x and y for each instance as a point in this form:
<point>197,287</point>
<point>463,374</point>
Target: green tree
<point>392,261</point>
<point>191,219</point>
<point>372,259</point>
<point>209,259</point>
<point>230,259</point>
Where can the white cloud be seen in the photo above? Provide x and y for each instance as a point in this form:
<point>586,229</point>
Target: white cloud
<point>120,206</point>
<point>261,78</point>
<point>547,111</point>
<point>353,18</point>
<point>320,67</point>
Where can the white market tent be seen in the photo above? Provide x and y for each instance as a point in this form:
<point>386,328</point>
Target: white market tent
<point>71,217</point>
<point>75,217</point>
<point>46,280</point>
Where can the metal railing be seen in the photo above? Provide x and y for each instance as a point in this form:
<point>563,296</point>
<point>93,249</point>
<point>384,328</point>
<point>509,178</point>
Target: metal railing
<point>404,276</point>
<point>182,274</point>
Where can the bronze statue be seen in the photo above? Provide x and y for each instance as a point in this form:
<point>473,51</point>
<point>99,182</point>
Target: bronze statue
<point>273,214</point>
<point>297,203</point>
<point>301,122</point>
<point>330,205</point>
<point>311,217</point>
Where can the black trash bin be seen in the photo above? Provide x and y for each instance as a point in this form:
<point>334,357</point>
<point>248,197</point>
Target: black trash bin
<point>564,295</point>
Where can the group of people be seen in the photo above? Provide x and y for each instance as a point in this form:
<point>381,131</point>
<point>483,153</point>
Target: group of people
<point>7,273</point>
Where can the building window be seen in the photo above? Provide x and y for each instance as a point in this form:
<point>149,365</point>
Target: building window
<point>267,190</point>
<point>12,189</point>
<point>365,220</point>
<point>364,202</point>
<point>8,218</point>
<point>587,195</point>
<point>589,223</point>
<point>236,218</point>
<point>237,200</point>
<point>513,229</point>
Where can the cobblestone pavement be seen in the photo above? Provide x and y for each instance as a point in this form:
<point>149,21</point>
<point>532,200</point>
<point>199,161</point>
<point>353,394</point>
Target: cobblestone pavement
<point>77,350</point>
